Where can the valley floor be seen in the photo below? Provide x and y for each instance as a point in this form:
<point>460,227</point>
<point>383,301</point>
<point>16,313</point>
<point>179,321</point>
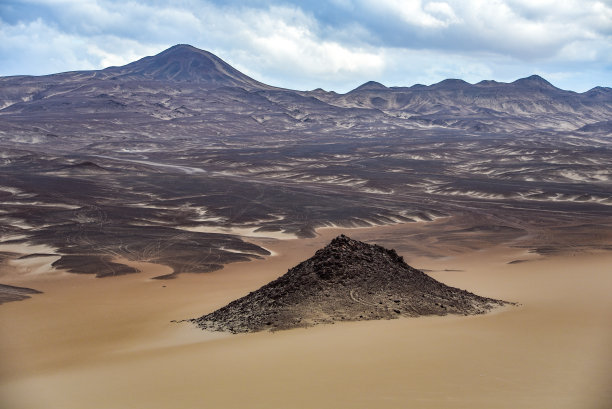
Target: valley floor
<point>110,343</point>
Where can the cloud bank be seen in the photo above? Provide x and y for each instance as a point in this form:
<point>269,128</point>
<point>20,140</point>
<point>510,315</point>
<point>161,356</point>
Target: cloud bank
<point>336,44</point>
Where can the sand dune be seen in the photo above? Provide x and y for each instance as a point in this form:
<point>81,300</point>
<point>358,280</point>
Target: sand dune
<point>102,343</point>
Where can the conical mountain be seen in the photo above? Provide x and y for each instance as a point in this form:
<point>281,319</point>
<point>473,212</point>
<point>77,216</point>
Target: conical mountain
<point>370,86</point>
<point>348,280</point>
<point>534,82</point>
<point>185,63</point>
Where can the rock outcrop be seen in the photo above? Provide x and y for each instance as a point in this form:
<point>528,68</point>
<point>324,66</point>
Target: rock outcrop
<point>10,293</point>
<point>348,280</point>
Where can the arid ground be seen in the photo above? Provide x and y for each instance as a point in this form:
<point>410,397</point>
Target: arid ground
<point>137,196</point>
<point>101,343</point>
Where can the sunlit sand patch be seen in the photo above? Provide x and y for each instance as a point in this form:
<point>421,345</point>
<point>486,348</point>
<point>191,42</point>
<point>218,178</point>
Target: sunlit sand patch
<point>554,346</point>
<point>467,193</point>
<point>151,270</point>
<point>261,169</point>
<point>272,252</point>
<point>406,218</point>
<point>137,150</point>
<point>601,176</point>
<point>424,216</point>
<point>42,204</point>
<point>11,237</point>
<point>15,222</point>
<point>26,248</point>
<point>182,334</point>
<point>12,190</point>
<point>241,231</point>
<point>183,169</point>
<point>231,250</point>
<point>34,265</point>
<point>377,191</point>
<point>35,260</point>
<point>531,195</point>
<point>343,180</point>
<point>562,197</point>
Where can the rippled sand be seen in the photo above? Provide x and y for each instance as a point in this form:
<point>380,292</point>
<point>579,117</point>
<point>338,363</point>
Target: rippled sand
<point>109,343</point>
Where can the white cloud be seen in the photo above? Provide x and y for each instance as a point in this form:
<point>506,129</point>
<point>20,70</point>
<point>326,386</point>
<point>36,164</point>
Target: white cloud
<point>397,42</point>
<point>36,48</point>
<point>288,39</point>
<point>413,12</point>
<point>443,10</point>
<point>533,30</point>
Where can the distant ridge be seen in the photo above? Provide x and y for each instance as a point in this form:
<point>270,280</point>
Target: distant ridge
<point>188,64</point>
<point>451,83</point>
<point>348,280</point>
<point>172,85</point>
<point>531,82</point>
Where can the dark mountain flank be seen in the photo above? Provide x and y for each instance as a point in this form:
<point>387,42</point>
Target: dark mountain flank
<point>184,63</point>
<point>348,280</point>
<point>161,159</point>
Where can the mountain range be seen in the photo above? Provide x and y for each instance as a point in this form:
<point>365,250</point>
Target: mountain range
<point>173,84</point>
<point>174,157</point>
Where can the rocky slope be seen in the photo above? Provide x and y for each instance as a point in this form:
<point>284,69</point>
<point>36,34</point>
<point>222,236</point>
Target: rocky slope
<point>184,63</point>
<point>186,82</point>
<point>170,158</point>
<point>526,103</point>
<point>348,280</point>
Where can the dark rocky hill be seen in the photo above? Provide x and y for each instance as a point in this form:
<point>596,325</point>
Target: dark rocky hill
<point>348,280</point>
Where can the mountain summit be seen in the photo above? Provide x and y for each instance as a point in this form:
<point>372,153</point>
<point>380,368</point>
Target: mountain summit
<point>534,81</point>
<point>185,63</point>
<point>348,280</point>
<point>370,86</point>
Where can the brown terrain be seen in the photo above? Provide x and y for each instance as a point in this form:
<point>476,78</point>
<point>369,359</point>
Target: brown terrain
<point>110,342</point>
<point>137,196</point>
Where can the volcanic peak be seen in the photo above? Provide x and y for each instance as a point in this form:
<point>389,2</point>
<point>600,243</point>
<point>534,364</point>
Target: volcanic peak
<point>370,86</point>
<point>347,280</point>
<point>185,63</point>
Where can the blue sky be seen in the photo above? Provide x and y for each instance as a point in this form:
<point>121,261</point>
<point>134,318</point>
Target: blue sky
<point>335,44</point>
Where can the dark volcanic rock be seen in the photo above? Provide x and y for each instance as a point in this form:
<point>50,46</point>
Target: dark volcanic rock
<point>161,159</point>
<point>184,63</point>
<point>85,167</point>
<point>10,293</point>
<point>346,281</point>
<point>101,266</point>
<point>370,86</point>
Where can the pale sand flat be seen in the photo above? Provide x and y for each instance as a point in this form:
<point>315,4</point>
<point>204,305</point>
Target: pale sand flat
<point>109,343</point>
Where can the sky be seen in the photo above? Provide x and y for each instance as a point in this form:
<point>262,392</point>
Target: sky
<point>335,44</point>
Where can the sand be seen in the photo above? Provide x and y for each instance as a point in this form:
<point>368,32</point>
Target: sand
<point>109,343</point>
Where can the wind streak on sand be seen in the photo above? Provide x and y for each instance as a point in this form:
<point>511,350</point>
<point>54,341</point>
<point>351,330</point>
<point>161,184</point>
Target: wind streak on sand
<point>189,170</point>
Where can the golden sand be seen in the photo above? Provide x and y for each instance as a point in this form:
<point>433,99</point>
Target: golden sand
<point>109,343</point>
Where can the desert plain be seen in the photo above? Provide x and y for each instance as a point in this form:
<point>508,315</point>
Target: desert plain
<point>101,343</point>
<point>136,197</point>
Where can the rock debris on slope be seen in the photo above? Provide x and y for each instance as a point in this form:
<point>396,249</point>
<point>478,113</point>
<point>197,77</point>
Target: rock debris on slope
<point>348,280</point>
